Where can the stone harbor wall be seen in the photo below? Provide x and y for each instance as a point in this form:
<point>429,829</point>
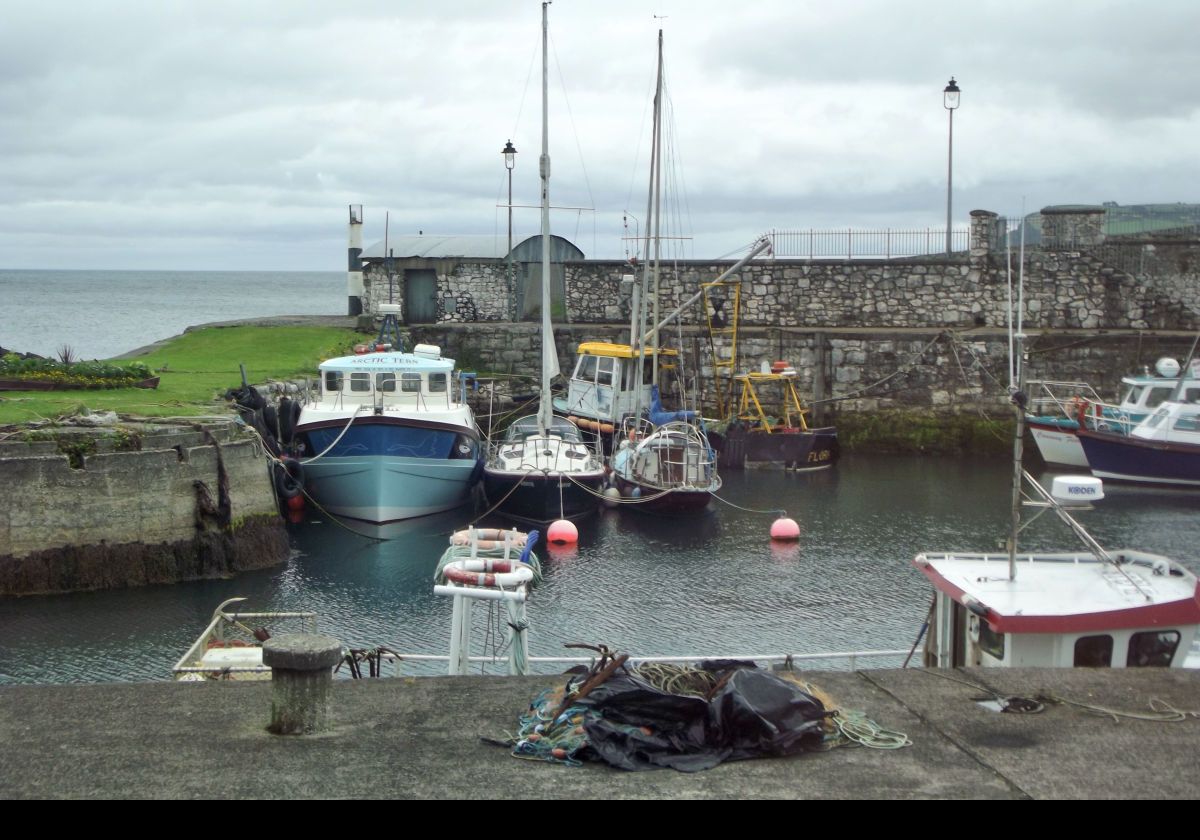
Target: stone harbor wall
<point>945,371</point>
<point>1075,279</point>
<point>97,509</point>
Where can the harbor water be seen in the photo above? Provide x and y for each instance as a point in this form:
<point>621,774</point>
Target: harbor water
<point>713,584</point>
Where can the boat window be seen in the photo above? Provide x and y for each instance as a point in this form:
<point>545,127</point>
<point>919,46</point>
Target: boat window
<point>360,382</point>
<point>1155,419</point>
<point>385,382</point>
<point>1157,395</point>
<point>437,383</point>
<point>990,642</point>
<point>333,381</point>
<point>1135,393</point>
<point>586,369</point>
<point>1152,649</point>
<point>410,383</point>
<point>605,374</point>
<point>1187,423</point>
<point>1093,652</point>
<point>1191,395</point>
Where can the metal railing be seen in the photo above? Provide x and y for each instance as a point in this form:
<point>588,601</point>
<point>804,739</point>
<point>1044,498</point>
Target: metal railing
<point>850,244</point>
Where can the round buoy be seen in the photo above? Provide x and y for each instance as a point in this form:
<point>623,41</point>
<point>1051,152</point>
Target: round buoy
<point>612,497</point>
<point>296,503</point>
<point>562,532</point>
<point>784,528</point>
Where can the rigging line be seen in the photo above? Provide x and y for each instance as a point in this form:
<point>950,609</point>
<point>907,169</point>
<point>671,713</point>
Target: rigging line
<point>574,129</point>
<point>647,101</point>
<point>776,511</point>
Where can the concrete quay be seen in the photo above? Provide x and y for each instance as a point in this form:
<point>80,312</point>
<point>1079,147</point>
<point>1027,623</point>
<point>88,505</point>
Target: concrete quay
<point>420,738</point>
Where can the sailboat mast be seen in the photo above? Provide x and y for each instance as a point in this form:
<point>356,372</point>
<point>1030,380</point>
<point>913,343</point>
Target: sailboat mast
<point>549,352</point>
<point>657,206</point>
<point>649,282</point>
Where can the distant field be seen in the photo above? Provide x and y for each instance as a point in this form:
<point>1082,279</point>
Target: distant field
<point>195,369</point>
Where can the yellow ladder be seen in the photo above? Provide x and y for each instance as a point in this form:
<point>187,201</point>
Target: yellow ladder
<point>722,305</point>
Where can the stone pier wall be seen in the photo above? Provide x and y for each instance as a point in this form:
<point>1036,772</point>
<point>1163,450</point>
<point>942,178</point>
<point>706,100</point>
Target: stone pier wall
<point>80,513</point>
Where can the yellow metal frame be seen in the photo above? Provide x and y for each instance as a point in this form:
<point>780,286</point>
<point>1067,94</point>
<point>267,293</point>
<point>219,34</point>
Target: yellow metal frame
<point>724,360</point>
<point>750,407</point>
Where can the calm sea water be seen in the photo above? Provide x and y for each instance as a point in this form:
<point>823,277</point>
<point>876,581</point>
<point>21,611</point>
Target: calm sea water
<point>712,585</point>
<point>101,314</point>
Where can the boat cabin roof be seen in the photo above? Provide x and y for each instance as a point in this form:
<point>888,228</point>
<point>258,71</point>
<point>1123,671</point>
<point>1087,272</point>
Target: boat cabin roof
<point>1176,422</point>
<point>388,362</point>
<point>620,351</point>
<point>526,426</point>
<point>1068,593</point>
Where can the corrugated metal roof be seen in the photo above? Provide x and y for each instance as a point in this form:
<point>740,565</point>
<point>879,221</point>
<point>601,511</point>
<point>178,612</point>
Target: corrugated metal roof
<point>434,246</point>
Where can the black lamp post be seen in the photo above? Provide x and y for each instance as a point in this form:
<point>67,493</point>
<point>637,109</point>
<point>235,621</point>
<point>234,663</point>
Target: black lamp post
<point>510,159</point>
<point>950,101</point>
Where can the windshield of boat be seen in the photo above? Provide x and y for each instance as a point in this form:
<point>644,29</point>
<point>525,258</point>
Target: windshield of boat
<point>526,426</point>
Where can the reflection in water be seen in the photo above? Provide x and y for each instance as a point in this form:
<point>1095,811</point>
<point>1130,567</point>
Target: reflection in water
<point>713,584</point>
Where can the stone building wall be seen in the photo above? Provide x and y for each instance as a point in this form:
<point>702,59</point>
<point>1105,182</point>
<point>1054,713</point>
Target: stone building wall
<point>1076,279</point>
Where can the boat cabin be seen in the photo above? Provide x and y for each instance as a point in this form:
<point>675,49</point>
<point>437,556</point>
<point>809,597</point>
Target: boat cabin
<point>1060,611</point>
<point>418,379</point>
<point>528,427</point>
<point>1171,422</point>
<point>605,385</point>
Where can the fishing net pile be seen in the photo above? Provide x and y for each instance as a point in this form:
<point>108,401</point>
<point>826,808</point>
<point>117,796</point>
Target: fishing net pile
<point>687,718</point>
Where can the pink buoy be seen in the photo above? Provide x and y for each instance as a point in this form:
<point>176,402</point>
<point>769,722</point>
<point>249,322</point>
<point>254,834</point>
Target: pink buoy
<point>562,532</point>
<point>784,528</point>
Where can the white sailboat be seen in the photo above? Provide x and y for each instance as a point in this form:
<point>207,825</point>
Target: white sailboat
<point>543,470</point>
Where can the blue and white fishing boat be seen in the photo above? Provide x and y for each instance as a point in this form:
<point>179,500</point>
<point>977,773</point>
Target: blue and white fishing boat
<point>1058,408</point>
<point>389,436</point>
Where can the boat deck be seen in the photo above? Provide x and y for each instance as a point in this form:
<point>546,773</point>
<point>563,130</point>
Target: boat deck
<point>420,738</point>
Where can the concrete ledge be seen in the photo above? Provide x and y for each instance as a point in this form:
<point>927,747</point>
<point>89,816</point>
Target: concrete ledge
<point>419,738</point>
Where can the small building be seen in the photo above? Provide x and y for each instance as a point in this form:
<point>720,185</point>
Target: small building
<point>438,278</point>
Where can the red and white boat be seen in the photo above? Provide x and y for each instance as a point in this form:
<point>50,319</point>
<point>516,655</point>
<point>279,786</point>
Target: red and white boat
<point>1089,608</point>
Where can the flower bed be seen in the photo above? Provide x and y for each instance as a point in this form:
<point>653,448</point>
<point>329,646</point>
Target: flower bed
<point>49,374</point>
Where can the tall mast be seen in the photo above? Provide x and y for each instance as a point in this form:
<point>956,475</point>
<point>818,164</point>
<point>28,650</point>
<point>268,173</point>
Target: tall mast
<point>657,205</point>
<point>549,353</point>
<point>650,281</point>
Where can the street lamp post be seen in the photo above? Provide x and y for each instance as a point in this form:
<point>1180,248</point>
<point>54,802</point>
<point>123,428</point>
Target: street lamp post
<point>950,101</point>
<point>510,159</point>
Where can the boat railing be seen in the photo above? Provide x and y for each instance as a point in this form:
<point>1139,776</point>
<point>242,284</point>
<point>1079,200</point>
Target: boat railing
<point>551,451</point>
<point>1073,400</point>
<point>849,660</point>
<point>243,629</point>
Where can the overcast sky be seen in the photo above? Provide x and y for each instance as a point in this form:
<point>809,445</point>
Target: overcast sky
<point>233,135</point>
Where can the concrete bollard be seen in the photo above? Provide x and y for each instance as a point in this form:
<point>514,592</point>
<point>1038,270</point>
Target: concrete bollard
<point>301,679</point>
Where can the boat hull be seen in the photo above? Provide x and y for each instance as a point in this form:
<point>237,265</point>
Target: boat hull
<point>383,469</point>
<point>378,488</point>
<point>815,449</point>
<point>1133,459</point>
<point>675,502</point>
<point>1057,443</point>
<point>542,498</point>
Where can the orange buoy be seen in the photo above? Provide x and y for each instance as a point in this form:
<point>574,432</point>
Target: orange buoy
<point>784,528</point>
<point>562,532</point>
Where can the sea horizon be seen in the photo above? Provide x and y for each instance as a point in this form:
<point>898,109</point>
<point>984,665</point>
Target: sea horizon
<point>103,313</point>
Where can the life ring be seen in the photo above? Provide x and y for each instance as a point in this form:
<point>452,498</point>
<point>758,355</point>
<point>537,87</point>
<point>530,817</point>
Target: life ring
<point>288,477</point>
<point>1080,413</point>
<point>503,574</point>
<point>489,538</point>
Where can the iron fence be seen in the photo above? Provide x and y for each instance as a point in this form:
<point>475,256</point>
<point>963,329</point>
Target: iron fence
<point>853,244</point>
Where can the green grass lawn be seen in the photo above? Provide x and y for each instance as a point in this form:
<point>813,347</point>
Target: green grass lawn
<point>195,370</point>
